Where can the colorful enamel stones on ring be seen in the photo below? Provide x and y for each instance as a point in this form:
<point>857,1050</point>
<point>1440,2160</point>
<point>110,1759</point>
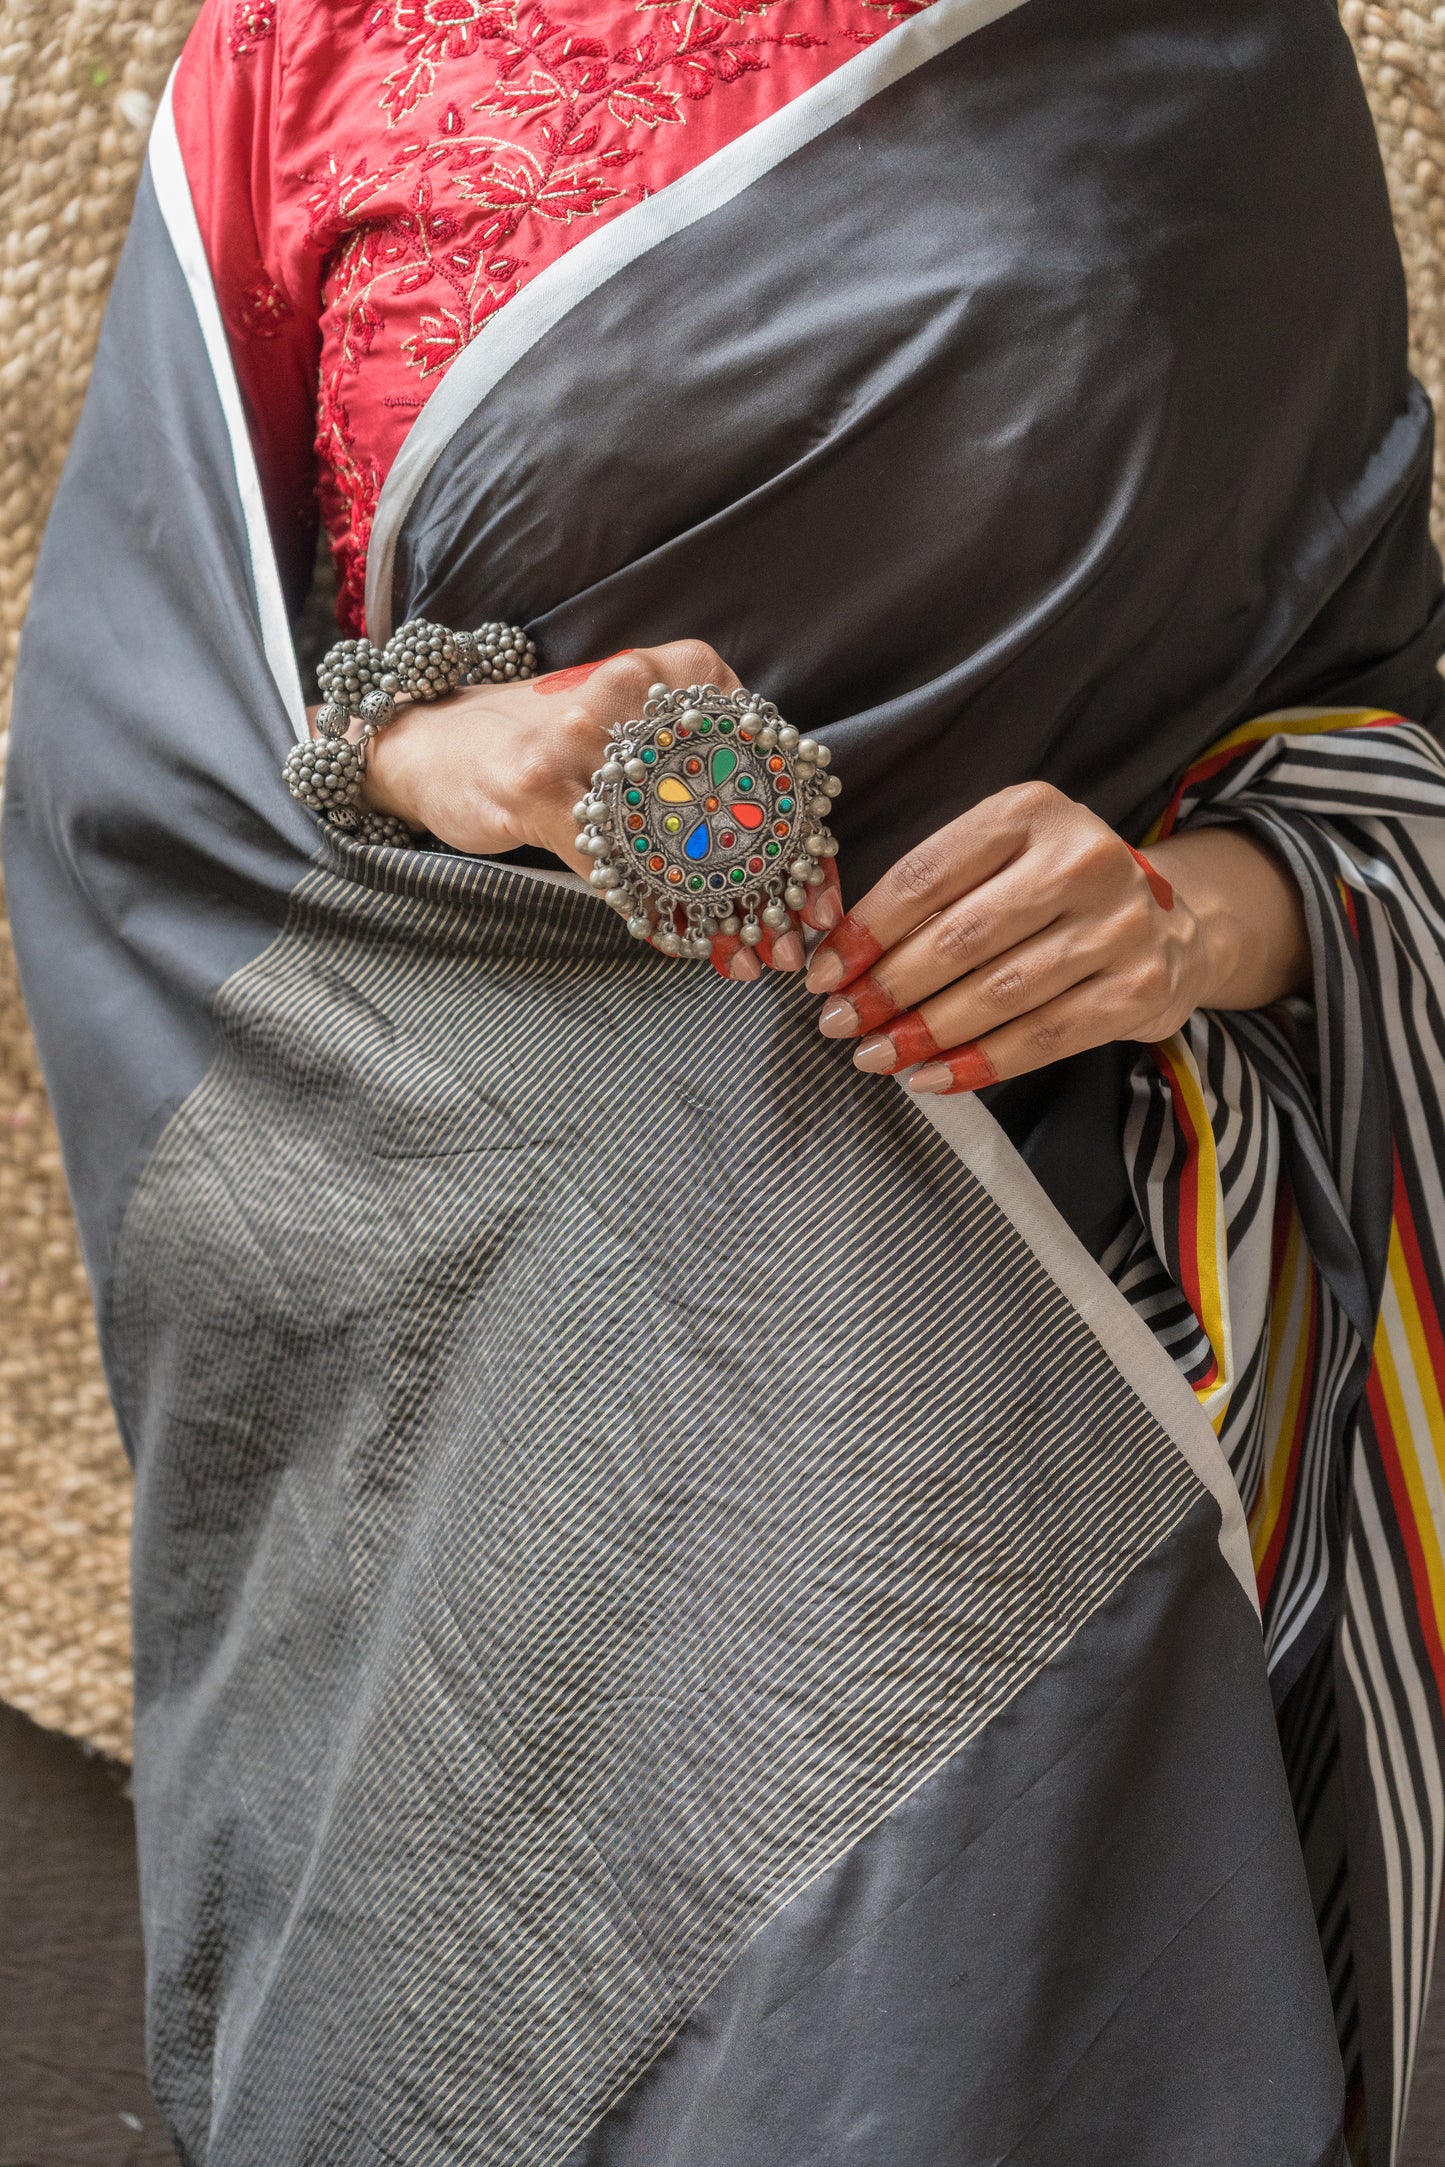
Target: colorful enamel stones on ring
<point>708,816</point>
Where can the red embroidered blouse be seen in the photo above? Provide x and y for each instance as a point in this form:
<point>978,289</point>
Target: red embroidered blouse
<point>374,179</point>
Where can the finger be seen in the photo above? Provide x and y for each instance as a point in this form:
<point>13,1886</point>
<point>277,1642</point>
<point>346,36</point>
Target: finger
<point>1091,887</point>
<point>1014,984</point>
<point>943,867</point>
<point>1072,1024</point>
<point>824,907</point>
<point>732,958</point>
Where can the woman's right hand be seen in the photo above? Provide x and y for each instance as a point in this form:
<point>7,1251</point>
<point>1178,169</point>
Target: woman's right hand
<point>496,767</point>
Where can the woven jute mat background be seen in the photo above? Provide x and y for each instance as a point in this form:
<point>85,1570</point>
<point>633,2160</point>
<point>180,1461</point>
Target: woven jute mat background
<point>78,84</point>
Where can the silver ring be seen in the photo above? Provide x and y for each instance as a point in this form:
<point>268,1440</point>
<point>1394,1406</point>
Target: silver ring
<point>707,816</point>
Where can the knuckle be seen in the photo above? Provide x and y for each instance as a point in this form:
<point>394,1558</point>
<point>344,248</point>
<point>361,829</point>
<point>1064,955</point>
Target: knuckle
<point>1048,1037</point>
<point>1098,853</point>
<point>1004,989</point>
<point>1034,800</point>
<point>918,872</point>
<point>691,662</point>
<point>960,934</point>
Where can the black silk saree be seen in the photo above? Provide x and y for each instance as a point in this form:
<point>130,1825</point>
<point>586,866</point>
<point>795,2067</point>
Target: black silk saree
<point>692,1611</point>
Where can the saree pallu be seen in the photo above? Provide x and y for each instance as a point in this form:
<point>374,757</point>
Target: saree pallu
<point>683,1617</point>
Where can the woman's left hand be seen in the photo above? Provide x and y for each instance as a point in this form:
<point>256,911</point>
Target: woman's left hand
<point>1027,930</point>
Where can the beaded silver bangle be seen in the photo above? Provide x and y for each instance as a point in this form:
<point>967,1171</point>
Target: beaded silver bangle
<point>421,661</point>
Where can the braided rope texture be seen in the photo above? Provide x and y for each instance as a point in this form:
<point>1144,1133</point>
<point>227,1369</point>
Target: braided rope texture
<point>79,80</point>
<point>78,84</point>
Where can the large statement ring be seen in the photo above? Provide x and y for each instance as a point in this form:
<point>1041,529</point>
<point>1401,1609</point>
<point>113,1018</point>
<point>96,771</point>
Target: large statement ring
<point>708,816</point>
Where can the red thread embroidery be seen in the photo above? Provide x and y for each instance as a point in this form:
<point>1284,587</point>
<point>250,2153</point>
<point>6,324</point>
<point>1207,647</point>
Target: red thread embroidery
<point>500,130</point>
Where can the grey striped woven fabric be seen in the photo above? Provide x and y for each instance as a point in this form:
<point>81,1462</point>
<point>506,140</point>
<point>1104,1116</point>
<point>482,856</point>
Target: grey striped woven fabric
<point>598,1464</point>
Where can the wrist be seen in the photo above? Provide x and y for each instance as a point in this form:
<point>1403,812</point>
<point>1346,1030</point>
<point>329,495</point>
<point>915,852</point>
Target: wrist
<point>1253,940</point>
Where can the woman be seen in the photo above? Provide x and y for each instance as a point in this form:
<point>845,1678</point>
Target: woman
<point>693,1606</point>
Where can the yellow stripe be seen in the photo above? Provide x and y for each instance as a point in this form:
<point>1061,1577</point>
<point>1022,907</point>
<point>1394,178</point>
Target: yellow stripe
<point>1295,722</point>
<point>1284,722</point>
<point>1289,1339</point>
<point>1211,1245</point>
<point>1392,1362</point>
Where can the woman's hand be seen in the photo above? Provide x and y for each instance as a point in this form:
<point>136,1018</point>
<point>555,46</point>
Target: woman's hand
<point>1026,930</point>
<point>495,767</point>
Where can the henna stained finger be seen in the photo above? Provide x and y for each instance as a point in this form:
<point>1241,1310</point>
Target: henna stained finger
<point>848,951</point>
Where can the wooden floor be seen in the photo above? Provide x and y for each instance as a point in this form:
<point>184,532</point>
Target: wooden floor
<point>72,2092</point>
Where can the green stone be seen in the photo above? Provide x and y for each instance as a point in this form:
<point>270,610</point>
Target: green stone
<point>785,805</point>
<point>738,873</point>
<point>724,724</point>
<point>706,724</point>
<point>640,843</point>
<point>745,782</point>
<point>634,797</point>
<point>649,754</point>
<point>771,849</point>
<point>695,880</point>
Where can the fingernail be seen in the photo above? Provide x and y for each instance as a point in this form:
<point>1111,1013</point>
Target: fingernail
<point>839,1018</point>
<point>744,966</point>
<point>788,953</point>
<point>852,941</point>
<point>968,1068</point>
<point>827,910</point>
<point>878,1054</point>
<point>825,971</point>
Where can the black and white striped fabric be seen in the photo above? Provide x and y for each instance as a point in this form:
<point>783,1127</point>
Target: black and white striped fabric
<point>1288,1173</point>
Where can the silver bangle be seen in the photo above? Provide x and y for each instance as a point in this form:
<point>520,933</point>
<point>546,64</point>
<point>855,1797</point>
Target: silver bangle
<point>708,816</point>
<point>421,661</point>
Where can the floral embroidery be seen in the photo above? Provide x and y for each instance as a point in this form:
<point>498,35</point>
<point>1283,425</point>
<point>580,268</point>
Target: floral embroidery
<point>264,308</point>
<point>252,22</point>
<point>502,128</point>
